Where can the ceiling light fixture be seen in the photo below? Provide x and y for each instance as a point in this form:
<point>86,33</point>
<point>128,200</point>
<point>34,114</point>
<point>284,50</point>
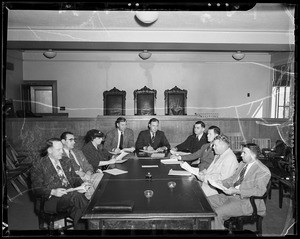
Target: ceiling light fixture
<point>50,54</point>
<point>147,17</point>
<point>145,55</point>
<point>238,55</point>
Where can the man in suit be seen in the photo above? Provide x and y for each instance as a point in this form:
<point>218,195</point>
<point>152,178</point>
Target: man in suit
<point>205,154</point>
<point>195,141</point>
<point>223,166</point>
<point>81,166</point>
<point>120,138</point>
<point>152,139</point>
<point>251,178</point>
<point>51,176</point>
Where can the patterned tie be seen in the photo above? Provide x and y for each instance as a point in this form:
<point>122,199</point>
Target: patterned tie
<point>242,174</point>
<point>62,176</point>
<point>121,141</point>
<point>74,162</point>
<point>152,138</point>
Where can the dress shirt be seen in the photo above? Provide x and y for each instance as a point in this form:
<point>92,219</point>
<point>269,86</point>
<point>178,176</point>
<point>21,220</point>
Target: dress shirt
<point>200,136</point>
<point>248,167</point>
<point>68,152</point>
<point>119,138</point>
<point>57,163</point>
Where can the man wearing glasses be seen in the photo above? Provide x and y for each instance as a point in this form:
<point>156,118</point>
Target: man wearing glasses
<point>81,166</point>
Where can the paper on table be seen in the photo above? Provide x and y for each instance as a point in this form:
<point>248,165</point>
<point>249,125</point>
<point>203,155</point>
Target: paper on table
<point>148,151</point>
<point>157,155</point>
<point>189,168</point>
<point>82,187</point>
<point>102,163</point>
<point>179,152</point>
<point>179,172</point>
<point>217,185</point>
<point>115,171</point>
<point>150,166</point>
<point>170,161</point>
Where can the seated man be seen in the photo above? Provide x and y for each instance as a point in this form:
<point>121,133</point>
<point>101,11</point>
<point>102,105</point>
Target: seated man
<point>152,139</point>
<point>251,178</point>
<point>206,153</point>
<point>81,166</point>
<point>195,141</point>
<point>51,176</point>
<point>223,165</point>
<point>119,138</point>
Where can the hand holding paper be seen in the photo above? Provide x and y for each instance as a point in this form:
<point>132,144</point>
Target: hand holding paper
<point>190,169</point>
<point>218,185</point>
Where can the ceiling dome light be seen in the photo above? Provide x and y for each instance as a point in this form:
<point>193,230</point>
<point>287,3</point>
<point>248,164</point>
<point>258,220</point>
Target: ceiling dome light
<point>145,55</point>
<point>238,55</point>
<point>147,17</point>
<point>50,54</point>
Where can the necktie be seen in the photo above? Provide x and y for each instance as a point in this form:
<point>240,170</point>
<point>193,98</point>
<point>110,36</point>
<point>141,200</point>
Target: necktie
<point>121,141</point>
<point>74,161</point>
<point>242,174</point>
<point>152,138</point>
<point>62,176</point>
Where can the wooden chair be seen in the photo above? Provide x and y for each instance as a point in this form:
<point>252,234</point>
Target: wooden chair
<point>144,101</point>
<point>237,223</point>
<point>175,101</point>
<point>114,102</point>
<point>47,220</point>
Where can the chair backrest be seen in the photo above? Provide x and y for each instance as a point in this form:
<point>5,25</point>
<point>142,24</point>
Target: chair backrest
<point>262,142</point>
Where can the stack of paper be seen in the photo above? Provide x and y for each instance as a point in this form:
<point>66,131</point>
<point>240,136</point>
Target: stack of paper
<point>189,168</point>
<point>179,172</point>
<point>80,188</point>
<point>115,171</point>
<point>157,155</point>
<point>217,185</point>
<point>179,153</point>
<point>170,161</point>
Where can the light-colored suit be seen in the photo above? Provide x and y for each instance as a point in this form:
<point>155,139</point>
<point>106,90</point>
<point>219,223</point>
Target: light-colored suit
<point>112,138</point>
<point>254,183</point>
<point>221,167</point>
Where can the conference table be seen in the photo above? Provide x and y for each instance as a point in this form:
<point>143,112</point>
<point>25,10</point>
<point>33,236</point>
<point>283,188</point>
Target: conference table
<point>119,202</point>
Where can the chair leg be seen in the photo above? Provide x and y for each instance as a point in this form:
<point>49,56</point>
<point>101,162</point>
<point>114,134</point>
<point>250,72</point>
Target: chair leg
<point>280,194</point>
<point>259,226</point>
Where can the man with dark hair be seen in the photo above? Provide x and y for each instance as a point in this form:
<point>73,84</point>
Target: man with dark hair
<point>52,177</point>
<point>152,139</point>
<point>81,166</point>
<point>120,138</point>
<point>251,178</point>
<point>195,141</point>
<point>206,153</point>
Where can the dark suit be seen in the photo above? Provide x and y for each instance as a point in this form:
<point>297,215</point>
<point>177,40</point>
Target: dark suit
<point>144,139</point>
<point>192,144</point>
<point>44,178</point>
<point>112,138</point>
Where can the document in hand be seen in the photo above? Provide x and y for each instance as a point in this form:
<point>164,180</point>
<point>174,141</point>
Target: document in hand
<point>148,151</point>
<point>217,185</point>
<point>189,168</point>
<point>121,155</point>
<point>80,188</point>
<point>179,152</point>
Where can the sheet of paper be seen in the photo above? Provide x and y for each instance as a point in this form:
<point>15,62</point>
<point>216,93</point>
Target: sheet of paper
<point>217,185</point>
<point>179,153</point>
<point>115,171</point>
<point>121,155</point>
<point>81,187</point>
<point>128,150</point>
<point>189,168</point>
<point>102,163</point>
<point>148,151</point>
<point>170,161</point>
<point>157,155</point>
<point>179,172</point>
<point>150,166</point>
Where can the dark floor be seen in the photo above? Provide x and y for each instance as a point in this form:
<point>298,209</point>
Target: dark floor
<point>21,216</point>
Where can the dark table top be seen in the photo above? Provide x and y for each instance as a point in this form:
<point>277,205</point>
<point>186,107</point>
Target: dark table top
<point>185,200</point>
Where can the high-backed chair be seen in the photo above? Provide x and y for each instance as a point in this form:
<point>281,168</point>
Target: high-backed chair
<point>237,223</point>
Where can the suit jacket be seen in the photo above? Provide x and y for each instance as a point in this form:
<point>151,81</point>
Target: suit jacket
<point>112,137</point>
<point>206,155</point>
<point>144,139</point>
<point>192,144</point>
<point>83,163</point>
<point>254,184</point>
<point>44,176</point>
<point>93,155</point>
